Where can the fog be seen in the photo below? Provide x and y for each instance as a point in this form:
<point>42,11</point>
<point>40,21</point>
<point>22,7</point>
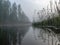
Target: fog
<point>29,6</point>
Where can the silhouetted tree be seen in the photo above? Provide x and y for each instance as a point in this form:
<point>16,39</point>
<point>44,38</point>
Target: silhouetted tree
<point>4,10</point>
<point>13,15</point>
<point>19,13</point>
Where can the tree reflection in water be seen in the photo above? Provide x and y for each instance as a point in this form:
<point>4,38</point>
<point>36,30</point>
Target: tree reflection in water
<point>46,35</point>
<point>12,35</point>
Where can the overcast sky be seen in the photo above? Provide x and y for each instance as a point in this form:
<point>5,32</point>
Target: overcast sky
<point>28,6</point>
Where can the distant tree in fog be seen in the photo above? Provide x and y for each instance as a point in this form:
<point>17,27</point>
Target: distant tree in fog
<point>13,14</point>
<point>19,13</point>
<point>4,10</point>
<point>22,18</point>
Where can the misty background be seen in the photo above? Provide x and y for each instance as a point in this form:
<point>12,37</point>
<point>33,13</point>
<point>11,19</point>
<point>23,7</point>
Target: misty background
<point>30,6</point>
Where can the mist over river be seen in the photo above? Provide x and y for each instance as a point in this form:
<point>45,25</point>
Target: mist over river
<point>26,35</point>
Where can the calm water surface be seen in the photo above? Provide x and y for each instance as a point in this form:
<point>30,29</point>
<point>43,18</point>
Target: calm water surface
<point>27,35</point>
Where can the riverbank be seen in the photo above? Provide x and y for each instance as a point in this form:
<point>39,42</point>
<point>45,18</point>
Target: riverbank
<point>51,23</point>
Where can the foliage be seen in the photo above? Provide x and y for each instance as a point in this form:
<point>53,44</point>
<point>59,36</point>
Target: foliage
<point>53,19</point>
<point>9,14</point>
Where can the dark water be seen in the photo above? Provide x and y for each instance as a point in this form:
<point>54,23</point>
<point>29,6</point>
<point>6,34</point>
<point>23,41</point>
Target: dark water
<point>26,35</point>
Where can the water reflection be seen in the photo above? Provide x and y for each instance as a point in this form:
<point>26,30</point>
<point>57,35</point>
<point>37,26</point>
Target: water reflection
<point>47,37</point>
<point>26,35</point>
<point>12,35</point>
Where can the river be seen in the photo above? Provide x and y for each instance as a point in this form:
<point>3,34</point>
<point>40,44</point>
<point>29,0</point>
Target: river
<point>27,35</point>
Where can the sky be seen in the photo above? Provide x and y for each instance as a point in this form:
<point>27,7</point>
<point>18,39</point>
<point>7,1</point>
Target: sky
<point>29,6</point>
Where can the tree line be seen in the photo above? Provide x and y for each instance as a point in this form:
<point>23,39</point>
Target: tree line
<point>52,17</point>
<point>11,13</point>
